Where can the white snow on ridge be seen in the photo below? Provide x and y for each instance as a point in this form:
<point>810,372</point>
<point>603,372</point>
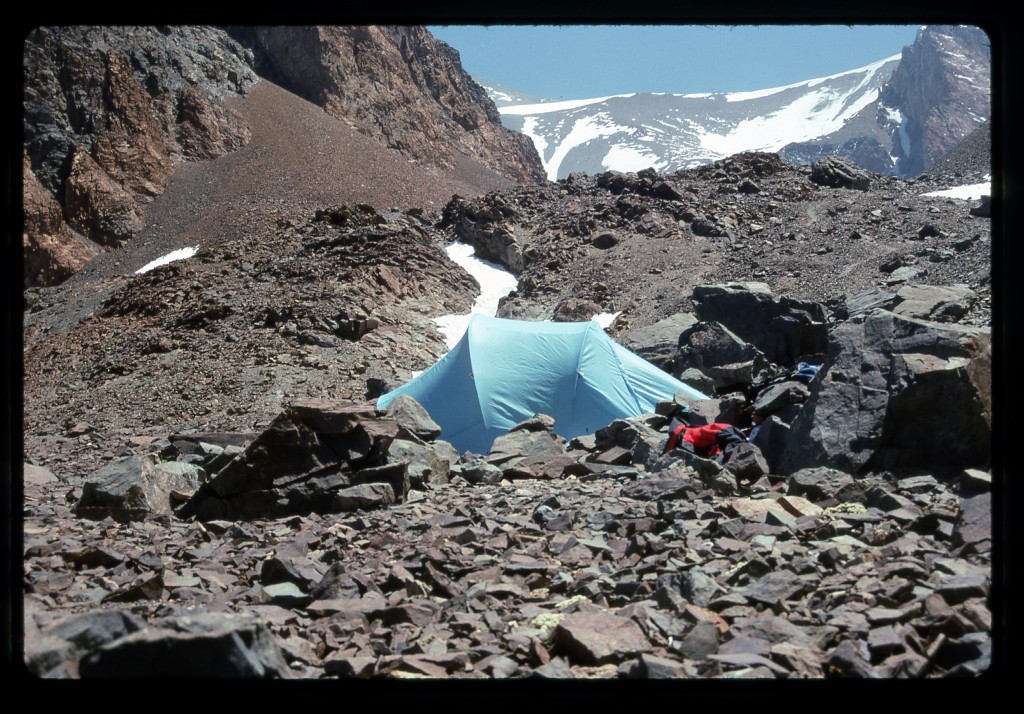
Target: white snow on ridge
<point>174,255</point>
<point>583,130</point>
<point>627,158</point>
<point>868,71</point>
<point>547,107</point>
<point>812,115</point>
<point>970,192</point>
<point>495,283</point>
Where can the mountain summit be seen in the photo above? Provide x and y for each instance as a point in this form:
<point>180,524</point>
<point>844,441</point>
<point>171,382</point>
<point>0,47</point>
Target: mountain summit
<point>895,116</point>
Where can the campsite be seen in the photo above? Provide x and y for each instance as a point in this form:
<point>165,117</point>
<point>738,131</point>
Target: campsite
<point>252,448</point>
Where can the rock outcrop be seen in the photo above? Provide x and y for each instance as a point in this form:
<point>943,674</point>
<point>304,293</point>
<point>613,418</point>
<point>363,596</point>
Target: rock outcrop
<point>111,111</point>
<point>943,89</point>
<point>399,85</point>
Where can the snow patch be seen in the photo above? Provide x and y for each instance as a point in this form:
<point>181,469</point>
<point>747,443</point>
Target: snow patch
<point>495,283</point>
<point>811,115</point>
<point>546,107</point>
<point>605,319</point>
<point>626,158</point>
<point>174,255</point>
<point>583,130</point>
<point>971,192</point>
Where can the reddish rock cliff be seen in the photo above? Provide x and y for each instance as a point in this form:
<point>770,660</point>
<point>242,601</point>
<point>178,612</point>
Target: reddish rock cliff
<point>399,85</point>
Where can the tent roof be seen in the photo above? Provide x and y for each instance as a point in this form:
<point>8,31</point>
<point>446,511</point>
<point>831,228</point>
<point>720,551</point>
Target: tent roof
<point>504,371</point>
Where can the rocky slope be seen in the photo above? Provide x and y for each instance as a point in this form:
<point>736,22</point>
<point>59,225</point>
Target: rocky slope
<point>208,489</point>
<point>943,89</point>
<point>397,84</point>
<point>111,114</point>
<point>379,552</point>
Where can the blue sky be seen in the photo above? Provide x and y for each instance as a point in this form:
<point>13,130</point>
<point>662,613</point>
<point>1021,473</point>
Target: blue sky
<point>578,61</point>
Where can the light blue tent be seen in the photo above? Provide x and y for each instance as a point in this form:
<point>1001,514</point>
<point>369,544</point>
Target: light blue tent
<point>504,371</point>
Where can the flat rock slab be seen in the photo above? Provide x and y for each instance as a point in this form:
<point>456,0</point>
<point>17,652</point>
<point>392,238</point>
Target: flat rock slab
<point>598,637</point>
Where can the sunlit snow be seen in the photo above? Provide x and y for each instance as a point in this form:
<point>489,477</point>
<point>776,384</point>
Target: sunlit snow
<point>811,115</point>
<point>971,192</point>
<point>583,130</point>
<point>547,107</point>
<point>625,158</point>
<point>180,254</point>
<point>495,283</point>
<point>606,318</point>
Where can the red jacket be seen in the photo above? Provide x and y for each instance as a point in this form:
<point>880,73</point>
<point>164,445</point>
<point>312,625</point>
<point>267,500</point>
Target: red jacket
<point>704,438</point>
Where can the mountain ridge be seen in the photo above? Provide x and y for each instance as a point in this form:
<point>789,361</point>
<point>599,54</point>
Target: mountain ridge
<point>894,116</point>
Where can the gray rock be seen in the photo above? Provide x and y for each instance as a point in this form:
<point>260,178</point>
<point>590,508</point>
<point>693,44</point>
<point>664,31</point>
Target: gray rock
<point>783,330</point>
<point>882,374</point>
<point>933,302</point>
<point>693,585</point>
<point>215,645</point>
<point>412,417</point>
<point>428,464</point>
<point>479,471</point>
<point>659,342</point>
<point>838,172</point>
<point>747,462</point>
<point>66,640</point>
<point>714,350</point>
<point>818,484</point>
<point>313,449</point>
<point>367,495</point>
<point>137,485</point>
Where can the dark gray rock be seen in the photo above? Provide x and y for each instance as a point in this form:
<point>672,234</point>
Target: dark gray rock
<point>838,172</point>
<point>658,343</point>
<point>63,642</point>
<point>747,462</point>
<point>883,373</point>
<point>137,485</point>
<point>211,645</point>
<point>412,417</point>
<point>714,350</point>
<point>310,452</point>
<point>783,330</point>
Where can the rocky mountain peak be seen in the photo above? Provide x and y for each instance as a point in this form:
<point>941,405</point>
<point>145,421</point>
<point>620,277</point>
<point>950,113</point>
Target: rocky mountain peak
<point>942,88</point>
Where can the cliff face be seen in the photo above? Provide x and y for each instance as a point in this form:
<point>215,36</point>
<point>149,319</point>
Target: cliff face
<point>938,94</point>
<point>109,113</point>
<point>942,89</point>
<point>399,85</point>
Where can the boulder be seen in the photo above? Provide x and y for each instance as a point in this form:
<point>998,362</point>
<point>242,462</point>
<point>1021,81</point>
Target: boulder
<point>429,464</point>
<point>897,392</point>
<point>531,449</point>
<point>134,486</point>
<point>573,309</point>
<point>933,302</point>
<point>658,343</point>
<point>839,173</point>
<point>720,354</point>
<point>205,645</point>
<point>412,417</point>
<point>784,330</point>
<point>310,452</point>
